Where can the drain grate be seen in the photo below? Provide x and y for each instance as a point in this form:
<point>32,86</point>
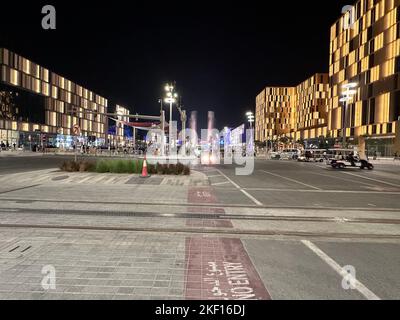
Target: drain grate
<point>151,181</point>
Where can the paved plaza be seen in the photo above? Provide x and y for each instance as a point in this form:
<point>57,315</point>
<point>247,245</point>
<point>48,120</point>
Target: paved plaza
<point>288,231</point>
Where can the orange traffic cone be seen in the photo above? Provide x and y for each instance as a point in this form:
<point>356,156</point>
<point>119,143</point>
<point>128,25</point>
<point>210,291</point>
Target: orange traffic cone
<point>145,174</point>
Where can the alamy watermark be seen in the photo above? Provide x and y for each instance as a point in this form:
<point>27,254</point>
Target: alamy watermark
<point>349,13</point>
<point>349,281</point>
<point>49,20</point>
<point>212,152</point>
<point>49,278</point>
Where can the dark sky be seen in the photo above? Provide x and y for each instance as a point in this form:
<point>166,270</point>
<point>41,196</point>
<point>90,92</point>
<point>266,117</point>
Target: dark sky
<point>221,54</point>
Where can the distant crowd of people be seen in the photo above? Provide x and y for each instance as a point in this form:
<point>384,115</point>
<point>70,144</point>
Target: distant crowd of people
<point>7,146</point>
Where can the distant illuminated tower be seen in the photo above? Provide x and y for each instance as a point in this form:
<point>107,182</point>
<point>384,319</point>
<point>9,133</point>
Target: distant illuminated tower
<point>211,125</point>
<point>193,126</point>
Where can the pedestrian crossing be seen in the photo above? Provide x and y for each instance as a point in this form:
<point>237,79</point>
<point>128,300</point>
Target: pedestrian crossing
<point>64,178</point>
<point>58,177</point>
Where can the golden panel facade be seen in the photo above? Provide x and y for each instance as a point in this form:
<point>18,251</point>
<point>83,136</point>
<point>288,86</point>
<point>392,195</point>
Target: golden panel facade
<point>274,113</point>
<point>65,103</point>
<point>296,112</point>
<point>365,49</point>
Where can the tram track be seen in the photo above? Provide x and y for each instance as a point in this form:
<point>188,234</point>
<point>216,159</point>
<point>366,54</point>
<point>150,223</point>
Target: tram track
<point>206,216</point>
<point>205,231</point>
<point>195,205</point>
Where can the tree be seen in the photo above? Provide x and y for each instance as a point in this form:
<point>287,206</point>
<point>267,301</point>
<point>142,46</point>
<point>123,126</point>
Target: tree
<point>284,140</point>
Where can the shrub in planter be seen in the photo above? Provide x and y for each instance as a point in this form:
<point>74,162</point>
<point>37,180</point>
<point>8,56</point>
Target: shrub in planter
<point>70,166</point>
<point>140,166</point>
<point>186,171</point>
<point>124,166</point>
<point>102,167</point>
<point>91,167</point>
<point>63,166</point>
<point>74,166</point>
<point>118,166</point>
<point>175,170</point>
<point>159,168</point>
<point>165,169</point>
<point>152,169</point>
<point>179,168</point>
<point>87,166</point>
<point>131,166</point>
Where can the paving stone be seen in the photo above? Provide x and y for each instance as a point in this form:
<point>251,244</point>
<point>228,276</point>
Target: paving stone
<point>125,290</point>
<point>161,284</point>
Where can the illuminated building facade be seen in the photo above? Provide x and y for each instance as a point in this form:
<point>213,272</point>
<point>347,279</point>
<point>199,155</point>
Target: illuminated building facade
<point>365,52</point>
<point>275,108</point>
<point>237,138</point>
<point>117,129</point>
<point>365,49</point>
<point>311,108</point>
<point>40,107</point>
<point>297,113</point>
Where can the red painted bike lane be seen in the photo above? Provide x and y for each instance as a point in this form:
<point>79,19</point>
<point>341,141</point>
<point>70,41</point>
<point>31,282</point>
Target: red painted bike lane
<point>205,195</point>
<point>221,269</point>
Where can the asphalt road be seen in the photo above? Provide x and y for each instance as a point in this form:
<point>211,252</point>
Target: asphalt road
<point>277,183</point>
<point>309,185</point>
<point>14,164</point>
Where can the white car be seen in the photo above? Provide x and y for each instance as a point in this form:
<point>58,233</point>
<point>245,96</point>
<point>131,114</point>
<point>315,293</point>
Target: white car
<point>290,154</point>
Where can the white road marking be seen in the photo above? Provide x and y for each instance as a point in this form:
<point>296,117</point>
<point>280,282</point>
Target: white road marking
<point>44,177</point>
<point>85,179</point>
<point>372,179</point>
<point>248,195</point>
<point>215,176</point>
<point>343,273</point>
<point>220,183</point>
<point>292,180</point>
<point>336,177</point>
<point>323,191</point>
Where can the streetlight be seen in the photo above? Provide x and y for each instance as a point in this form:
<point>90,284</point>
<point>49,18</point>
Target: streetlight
<point>250,119</point>
<point>348,94</point>
<point>171,97</point>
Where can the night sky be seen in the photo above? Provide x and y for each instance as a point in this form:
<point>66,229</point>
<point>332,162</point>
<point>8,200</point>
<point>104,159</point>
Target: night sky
<point>221,54</point>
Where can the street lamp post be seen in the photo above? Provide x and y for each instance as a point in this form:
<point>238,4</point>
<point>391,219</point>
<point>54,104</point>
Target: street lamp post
<point>162,113</point>
<point>347,96</point>
<point>171,97</point>
<point>250,119</point>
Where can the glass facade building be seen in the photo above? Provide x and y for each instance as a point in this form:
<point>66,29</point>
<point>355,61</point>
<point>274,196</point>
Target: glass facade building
<point>298,113</point>
<point>365,51</point>
<point>39,106</point>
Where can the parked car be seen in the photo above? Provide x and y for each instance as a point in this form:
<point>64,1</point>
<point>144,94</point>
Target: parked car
<point>291,154</point>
